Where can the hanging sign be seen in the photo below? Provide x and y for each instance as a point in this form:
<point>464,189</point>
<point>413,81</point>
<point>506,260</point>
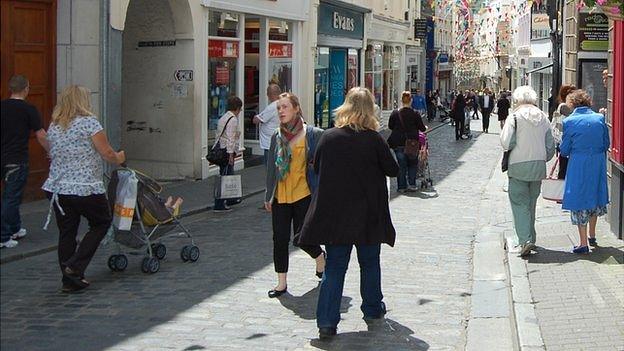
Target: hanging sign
<point>420,28</point>
<point>280,50</point>
<point>222,48</point>
<point>593,32</point>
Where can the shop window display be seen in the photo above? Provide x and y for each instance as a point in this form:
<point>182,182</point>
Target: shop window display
<point>321,87</point>
<point>373,71</point>
<point>223,24</point>
<point>391,71</point>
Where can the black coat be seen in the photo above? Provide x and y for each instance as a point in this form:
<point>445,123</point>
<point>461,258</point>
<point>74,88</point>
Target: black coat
<point>459,106</point>
<point>503,106</point>
<point>409,126</point>
<point>350,205</point>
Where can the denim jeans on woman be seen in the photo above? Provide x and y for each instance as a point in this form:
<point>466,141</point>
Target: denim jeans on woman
<point>332,285</point>
<point>408,169</point>
<point>14,177</point>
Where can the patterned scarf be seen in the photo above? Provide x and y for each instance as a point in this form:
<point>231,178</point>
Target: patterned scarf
<point>287,132</point>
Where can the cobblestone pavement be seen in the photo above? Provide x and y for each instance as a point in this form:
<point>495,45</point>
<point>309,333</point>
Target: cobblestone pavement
<point>220,302</point>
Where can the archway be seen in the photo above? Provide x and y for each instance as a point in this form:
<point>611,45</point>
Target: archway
<point>157,102</point>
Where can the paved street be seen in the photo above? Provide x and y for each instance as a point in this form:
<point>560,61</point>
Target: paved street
<point>220,302</point>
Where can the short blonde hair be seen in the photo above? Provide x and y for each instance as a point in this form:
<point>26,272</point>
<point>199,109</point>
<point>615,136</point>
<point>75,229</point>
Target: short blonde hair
<point>74,101</point>
<point>358,111</point>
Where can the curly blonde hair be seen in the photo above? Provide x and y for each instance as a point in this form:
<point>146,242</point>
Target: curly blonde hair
<point>579,98</point>
<point>358,111</point>
<point>74,101</point>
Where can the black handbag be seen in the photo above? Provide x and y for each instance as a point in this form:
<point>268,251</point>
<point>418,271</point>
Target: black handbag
<point>218,155</point>
<point>505,161</point>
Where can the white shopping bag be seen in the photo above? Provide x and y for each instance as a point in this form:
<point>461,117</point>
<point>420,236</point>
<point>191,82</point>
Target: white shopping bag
<point>228,187</point>
<point>553,188</point>
<point>125,200</point>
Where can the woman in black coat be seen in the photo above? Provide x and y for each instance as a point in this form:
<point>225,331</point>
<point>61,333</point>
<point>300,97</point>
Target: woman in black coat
<point>459,115</point>
<point>503,105</point>
<point>350,207</point>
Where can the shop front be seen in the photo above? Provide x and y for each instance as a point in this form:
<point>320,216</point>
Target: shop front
<point>414,74</point>
<point>385,65</point>
<point>337,68</point>
<point>249,46</point>
<point>615,121</point>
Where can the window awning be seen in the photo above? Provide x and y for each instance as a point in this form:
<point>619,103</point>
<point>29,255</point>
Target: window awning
<point>540,68</point>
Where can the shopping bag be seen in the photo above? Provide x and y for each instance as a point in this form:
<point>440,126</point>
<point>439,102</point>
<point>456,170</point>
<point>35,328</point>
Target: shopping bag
<point>553,188</point>
<point>125,199</point>
<point>228,187</point>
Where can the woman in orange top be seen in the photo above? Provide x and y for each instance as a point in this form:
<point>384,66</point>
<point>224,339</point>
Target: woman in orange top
<point>290,184</point>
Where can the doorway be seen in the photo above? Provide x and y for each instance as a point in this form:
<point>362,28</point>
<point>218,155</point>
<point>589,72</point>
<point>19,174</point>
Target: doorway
<point>29,49</point>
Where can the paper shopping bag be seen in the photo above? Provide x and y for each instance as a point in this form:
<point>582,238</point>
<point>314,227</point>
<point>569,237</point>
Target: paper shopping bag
<point>228,187</point>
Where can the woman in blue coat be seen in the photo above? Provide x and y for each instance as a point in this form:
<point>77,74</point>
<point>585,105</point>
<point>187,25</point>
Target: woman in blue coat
<point>585,142</point>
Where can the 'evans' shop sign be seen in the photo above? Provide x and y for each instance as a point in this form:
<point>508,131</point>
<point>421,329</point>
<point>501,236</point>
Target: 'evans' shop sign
<point>340,22</point>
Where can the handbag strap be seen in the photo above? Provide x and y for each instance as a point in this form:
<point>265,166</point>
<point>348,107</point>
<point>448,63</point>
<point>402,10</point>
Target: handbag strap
<point>223,131</point>
<point>552,170</point>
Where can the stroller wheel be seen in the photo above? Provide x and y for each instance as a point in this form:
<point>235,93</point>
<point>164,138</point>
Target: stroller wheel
<point>112,263</point>
<point>150,265</point>
<point>159,251</point>
<point>194,253</point>
<point>121,262</point>
<point>185,254</point>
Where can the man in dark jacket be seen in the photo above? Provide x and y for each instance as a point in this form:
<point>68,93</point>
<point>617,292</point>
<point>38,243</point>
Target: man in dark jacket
<point>458,112</point>
<point>486,102</point>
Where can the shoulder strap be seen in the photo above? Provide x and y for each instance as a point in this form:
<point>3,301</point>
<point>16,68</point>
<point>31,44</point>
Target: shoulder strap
<point>224,127</point>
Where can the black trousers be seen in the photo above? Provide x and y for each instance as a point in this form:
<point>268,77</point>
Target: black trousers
<point>486,119</point>
<point>563,167</point>
<point>96,210</point>
<point>460,125</point>
<point>285,216</point>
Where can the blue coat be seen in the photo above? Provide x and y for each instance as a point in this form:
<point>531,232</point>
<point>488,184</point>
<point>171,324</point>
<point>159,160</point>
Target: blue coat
<point>585,141</point>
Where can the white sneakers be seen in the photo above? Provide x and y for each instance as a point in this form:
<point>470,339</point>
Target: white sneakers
<point>12,242</point>
<point>9,244</point>
<point>20,234</point>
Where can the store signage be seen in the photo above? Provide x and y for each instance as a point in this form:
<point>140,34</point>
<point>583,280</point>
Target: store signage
<point>184,75</point>
<point>540,28</point>
<point>222,48</point>
<point>593,32</point>
<point>443,58</point>
<point>280,50</point>
<point>222,75</point>
<point>156,43</point>
<point>341,22</point>
<point>420,28</point>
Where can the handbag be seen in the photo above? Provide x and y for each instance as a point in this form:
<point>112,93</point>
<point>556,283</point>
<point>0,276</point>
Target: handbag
<point>218,155</point>
<point>553,188</point>
<point>505,160</point>
<point>412,146</point>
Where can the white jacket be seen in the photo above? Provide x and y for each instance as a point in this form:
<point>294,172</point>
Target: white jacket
<point>530,134</point>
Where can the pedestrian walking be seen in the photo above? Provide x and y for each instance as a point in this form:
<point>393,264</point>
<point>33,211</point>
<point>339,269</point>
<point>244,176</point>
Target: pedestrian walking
<point>487,105</point>
<point>585,141</point>
<point>459,115</point>
<point>19,118</point>
<point>529,138</point>
<point>228,137</point>
<point>561,112</point>
<point>267,120</point>
<point>503,105</point>
<point>419,104</point>
<point>474,104</point>
<point>431,106</point>
<point>405,124</point>
<point>74,186</point>
<point>351,207</point>
<point>290,184</point>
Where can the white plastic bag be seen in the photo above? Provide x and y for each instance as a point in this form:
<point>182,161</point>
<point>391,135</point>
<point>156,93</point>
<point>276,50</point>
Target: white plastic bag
<point>228,187</point>
<point>553,188</point>
<point>125,199</point>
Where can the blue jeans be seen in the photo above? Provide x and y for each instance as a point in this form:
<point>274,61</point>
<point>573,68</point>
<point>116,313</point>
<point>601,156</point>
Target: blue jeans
<point>332,285</point>
<point>408,169</point>
<point>219,204</point>
<point>14,177</point>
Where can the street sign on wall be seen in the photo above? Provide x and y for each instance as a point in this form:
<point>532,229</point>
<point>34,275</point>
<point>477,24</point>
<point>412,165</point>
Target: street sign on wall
<point>593,32</point>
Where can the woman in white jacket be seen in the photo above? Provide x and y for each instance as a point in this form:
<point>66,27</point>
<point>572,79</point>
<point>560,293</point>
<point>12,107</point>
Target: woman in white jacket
<point>528,135</point>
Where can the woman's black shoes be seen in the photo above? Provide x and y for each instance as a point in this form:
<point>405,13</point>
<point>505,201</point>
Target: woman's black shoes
<point>277,293</point>
<point>75,278</point>
<point>326,333</point>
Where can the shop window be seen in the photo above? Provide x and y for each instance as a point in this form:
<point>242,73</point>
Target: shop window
<point>223,55</point>
<point>223,24</point>
<point>391,78</point>
<point>280,54</point>
<point>373,64</point>
<point>321,87</point>
<point>279,30</point>
<point>353,59</point>
<point>252,77</point>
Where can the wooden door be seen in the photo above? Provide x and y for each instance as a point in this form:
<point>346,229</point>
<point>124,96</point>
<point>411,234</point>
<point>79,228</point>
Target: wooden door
<point>29,48</point>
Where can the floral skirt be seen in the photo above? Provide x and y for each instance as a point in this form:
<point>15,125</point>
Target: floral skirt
<point>582,217</point>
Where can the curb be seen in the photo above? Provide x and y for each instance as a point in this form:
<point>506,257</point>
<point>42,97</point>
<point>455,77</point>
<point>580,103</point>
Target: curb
<point>528,333</point>
<point>41,251</point>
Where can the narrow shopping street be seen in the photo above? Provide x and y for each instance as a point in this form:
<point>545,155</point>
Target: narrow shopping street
<point>220,302</point>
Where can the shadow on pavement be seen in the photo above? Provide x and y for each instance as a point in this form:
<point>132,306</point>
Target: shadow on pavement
<point>381,334</point>
<point>304,306</point>
<point>602,255</point>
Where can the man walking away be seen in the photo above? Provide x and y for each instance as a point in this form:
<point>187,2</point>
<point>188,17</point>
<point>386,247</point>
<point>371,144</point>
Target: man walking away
<point>18,119</point>
<point>419,104</point>
<point>487,105</point>
<point>268,119</point>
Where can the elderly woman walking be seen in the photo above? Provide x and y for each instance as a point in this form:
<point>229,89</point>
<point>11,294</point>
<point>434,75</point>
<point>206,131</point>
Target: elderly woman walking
<point>290,184</point>
<point>585,141</point>
<point>351,207</point>
<point>78,144</point>
<point>561,112</point>
<point>529,138</point>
